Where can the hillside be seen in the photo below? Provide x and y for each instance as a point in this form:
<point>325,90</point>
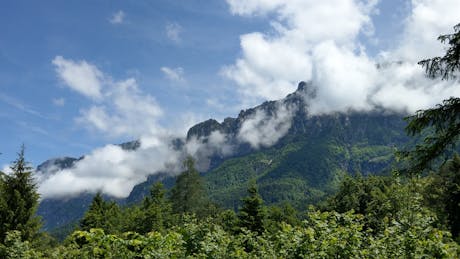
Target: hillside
<point>300,166</point>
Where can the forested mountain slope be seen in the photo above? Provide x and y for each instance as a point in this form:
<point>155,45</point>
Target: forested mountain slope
<point>299,159</point>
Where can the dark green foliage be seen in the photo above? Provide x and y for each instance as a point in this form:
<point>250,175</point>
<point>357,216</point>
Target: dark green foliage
<point>101,214</point>
<point>16,248</point>
<point>155,212</point>
<point>379,198</point>
<point>18,201</point>
<point>441,124</point>
<point>284,213</point>
<point>252,214</point>
<point>188,194</point>
<point>443,194</point>
<point>228,220</point>
<point>305,167</point>
<point>448,65</point>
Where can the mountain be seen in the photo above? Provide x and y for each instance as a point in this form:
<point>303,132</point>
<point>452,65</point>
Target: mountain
<point>293,155</point>
<point>309,160</point>
<point>57,212</point>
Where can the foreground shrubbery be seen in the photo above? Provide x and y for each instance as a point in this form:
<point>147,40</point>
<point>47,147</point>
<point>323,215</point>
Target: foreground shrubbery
<point>321,235</point>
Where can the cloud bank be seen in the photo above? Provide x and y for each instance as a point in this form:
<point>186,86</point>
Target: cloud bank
<point>320,42</point>
<point>111,170</point>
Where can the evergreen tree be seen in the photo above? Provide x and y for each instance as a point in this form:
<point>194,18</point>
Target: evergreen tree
<point>252,214</point>
<point>19,201</point>
<point>155,211</point>
<point>188,194</point>
<point>101,214</point>
<point>443,194</point>
<point>442,123</point>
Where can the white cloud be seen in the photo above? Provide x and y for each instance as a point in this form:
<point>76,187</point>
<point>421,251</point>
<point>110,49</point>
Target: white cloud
<point>343,78</point>
<point>59,101</point>
<point>273,63</point>
<point>174,74</point>
<point>125,111</point>
<point>428,19</point>
<point>269,68</point>
<point>264,129</point>
<point>117,17</point>
<point>173,31</point>
<point>80,76</point>
<point>202,149</point>
<point>318,42</point>
<point>6,169</point>
<point>121,110</point>
<point>110,169</point>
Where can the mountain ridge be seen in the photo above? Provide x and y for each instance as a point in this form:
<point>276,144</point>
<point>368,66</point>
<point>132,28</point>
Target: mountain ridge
<point>330,144</point>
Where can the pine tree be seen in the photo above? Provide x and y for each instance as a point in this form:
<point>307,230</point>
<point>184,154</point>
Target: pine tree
<point>188,194</point>
<point>443,194</point>
<point>19,201</point>
<point>101,214</point>
<point>252,214</point>
<point>155,211</point>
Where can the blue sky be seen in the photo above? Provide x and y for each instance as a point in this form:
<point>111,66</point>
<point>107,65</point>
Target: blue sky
<point>33,33</point>
<point>188,61</point>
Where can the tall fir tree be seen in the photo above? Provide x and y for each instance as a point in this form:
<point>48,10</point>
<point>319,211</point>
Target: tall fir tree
<point>188,194</point>
<point>19,201</point>
<point>155,211</point>
<point>252,214</point>
<point>101,214</point>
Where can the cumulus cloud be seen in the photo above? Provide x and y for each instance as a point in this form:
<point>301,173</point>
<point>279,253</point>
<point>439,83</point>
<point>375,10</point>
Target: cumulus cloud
<point>121,108</point>
<point>173,31</point>
<point>272,63</point>
<point>117,17</point>
<point>174,74</point>
<point>125,111</point>
<point>428,19</point>
<point>320,42</point>
<point>80,76</point>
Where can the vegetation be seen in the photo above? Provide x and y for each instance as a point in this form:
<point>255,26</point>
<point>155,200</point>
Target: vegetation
<point>18,201</point>
<point>189,194</point>
<point>369,217</point>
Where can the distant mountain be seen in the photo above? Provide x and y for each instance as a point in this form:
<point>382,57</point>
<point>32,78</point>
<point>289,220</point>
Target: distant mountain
<point>58,212</point>
<point>300,160</point>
